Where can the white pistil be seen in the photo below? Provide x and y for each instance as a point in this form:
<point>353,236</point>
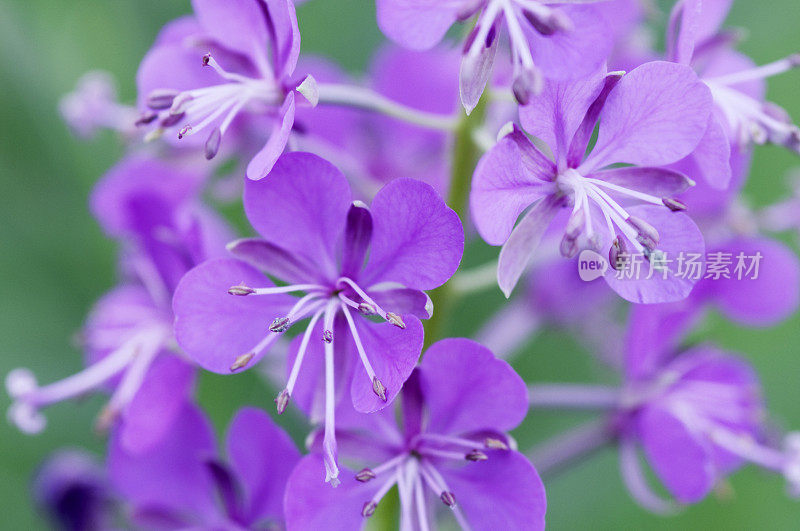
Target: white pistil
<point>447,439</point>
<point>329,441</point>
<point>432,452</point>
<point>288,289</point>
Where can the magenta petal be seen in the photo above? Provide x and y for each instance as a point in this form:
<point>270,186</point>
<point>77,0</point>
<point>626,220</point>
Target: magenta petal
<point>239,25</point>
<point>301,207</point>
<point>263,456</point>
<point>156,404</point>
<point>710,161</point>
<point>401,301</point>
<point>311,503</point>
<point>508,179</point>
<point>272,260</point>
<point>214,327</point>
<point>393,353</point>
<point>261,165</point>
<point>656,115</point>
<point>174,67</point>
<point>357,237</point>
<point>555,115</point>
<point>658,182</point>
<point>170,475</point>
<point>682,32</point>
<point>467,389</point>
<point>283,19</point>
<point>417,240</point>
<point>763,301</point>
<point>523,242</point>
<point>503,492</point>
<point>417,24</point>
<point>679,236</point>
<point>682,462</point>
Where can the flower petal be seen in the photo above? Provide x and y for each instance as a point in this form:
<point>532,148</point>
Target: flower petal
<point>467,389</point>
<point>251,435</point>
<point>509,178</point>
<point>658,182</point>
<point>357,237</point>
<point>523,242</point>
<point>711,160</point>
<point>239,25</point>
<point>261,165</point>
<point>417,240</point>
<point>214,327</point>
<point>272,260</point>
<point>656,115</point>
<point>393,353</point>
<point>417,24</point>
<point>401,300</point>
<point>503,492</point>
<point>301,207</point>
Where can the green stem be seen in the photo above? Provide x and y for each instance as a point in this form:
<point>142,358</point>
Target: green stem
<point>465,156</point>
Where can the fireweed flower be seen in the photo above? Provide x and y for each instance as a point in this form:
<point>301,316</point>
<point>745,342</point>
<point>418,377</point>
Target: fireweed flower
<point>362,271</point>
<point>130,351</point>
<point>741,116</point>
<point>73,490</point>
<point>653,116</point>
<point>232,57</point>
<point>450,449</point>
<point>182,483</point>
<point>556,39</point>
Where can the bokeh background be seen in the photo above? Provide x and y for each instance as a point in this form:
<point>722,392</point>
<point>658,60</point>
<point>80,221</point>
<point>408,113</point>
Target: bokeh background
<point>54,260</point>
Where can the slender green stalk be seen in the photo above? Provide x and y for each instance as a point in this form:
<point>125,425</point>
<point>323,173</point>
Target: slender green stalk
<point>465,156</point>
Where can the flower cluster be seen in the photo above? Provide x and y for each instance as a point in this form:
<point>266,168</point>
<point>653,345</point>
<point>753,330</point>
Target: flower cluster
<point>577,148</point>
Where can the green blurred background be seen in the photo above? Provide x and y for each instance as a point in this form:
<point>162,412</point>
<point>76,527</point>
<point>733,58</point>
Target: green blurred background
<point>55,261</point>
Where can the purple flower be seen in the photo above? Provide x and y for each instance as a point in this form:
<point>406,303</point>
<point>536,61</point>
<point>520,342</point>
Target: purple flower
<point>181,482</point>
<point>741,116</point>
<point>354,264</point>
<point>72,488</point>
<point>450,449</point>
<point>652,116</point>
<point>93,106</point>
<point>233,56</point>
<point>128,338</point>
<point>698,414</point>
<point>559,40</point>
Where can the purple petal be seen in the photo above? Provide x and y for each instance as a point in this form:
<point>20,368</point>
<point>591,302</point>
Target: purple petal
<point>214,327</point>
<point>170,475</point>
<point>710,161</point>
<point>577,53</point>
<point>467,389</point>
<point>476,69</point>
<point>262,164</point>
<point>417,24</point>
<point>239,25</point>
<point>401,300</point>
<point>357,236</point>
<point>556,114</point>
<point>658,182</point>
<point>312,504</point>
<point>156,404</point>
<point>583,135</point>
<point>503,492</point>
<point>508,179</point>
<point>301,207</point>
<point>682,461</point>
<point>273,260</point>
<point>417,240</point>
<point>283,19</point>
<point>656,115</point>
<point>679,237</point>
<point>523,242</point>
<point>251,434</point>
<point>763,301</point>
<point>682,33</point>
<point>393,353</point>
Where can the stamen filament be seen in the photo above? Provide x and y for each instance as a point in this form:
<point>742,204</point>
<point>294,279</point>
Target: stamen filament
<point>760,72</point>
<point>632,193</point>
<point>301,352</point>
<point>329,440</point>
<point>359,346</point>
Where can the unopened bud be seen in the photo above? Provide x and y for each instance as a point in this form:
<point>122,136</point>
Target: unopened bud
<point>280,325</point>
<point>364,475</point>
<point>369,509</point>
<point>327,336</point>
<point>281,401</point>
<point>673,204</point>
<point>495,444</point>
<point>379,388</point>
<point>476,455</point>
<point>240,290</point>
<point>366,308</point>
<point>212,144</point>
<point>448,498</point>
<point>395,320</point>
<point>242,360</point>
